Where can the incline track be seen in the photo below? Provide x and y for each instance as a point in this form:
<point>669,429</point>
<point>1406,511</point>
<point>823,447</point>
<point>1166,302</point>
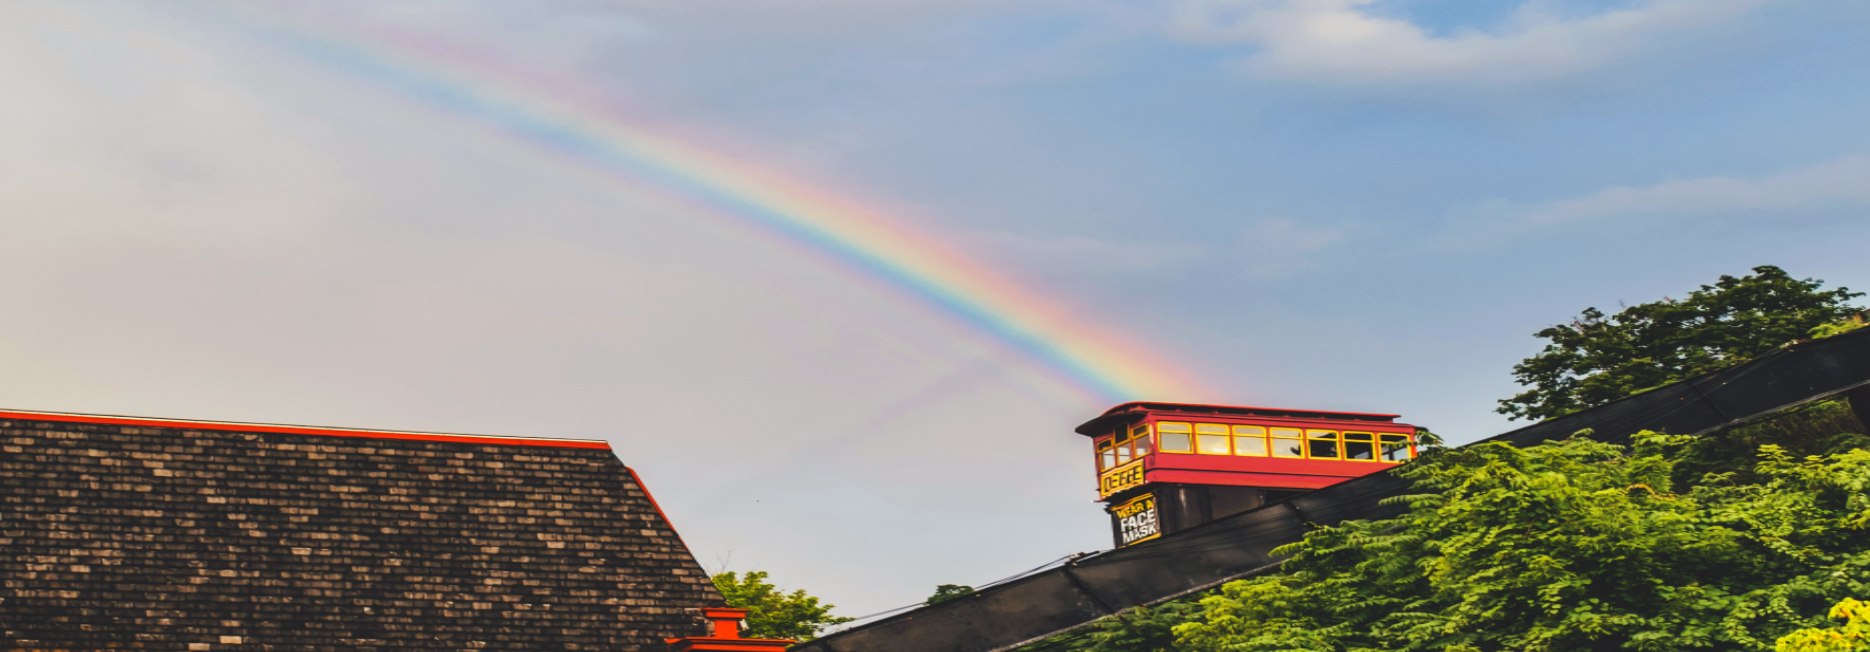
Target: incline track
<point>1079,592</point>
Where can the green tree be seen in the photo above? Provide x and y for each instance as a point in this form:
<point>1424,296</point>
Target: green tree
<point>946,592</point>
<point>1598,358</point>
<point>1574,545</point>
<point>773,613</point>
<point>1821,428</point>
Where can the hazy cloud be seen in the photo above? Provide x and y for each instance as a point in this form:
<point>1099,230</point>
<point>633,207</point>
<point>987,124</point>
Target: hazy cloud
<point>1275,247</point>
<point>1803,196</point>
<point>1084,254</point>
<point>1841,183</point>
<point>1346,42</point>
<point>193,230</point>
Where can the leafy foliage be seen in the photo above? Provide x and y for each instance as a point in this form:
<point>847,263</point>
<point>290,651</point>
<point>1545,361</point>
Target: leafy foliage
<point>1574,545</point>
<point>1732,541</point>
<point>1143,628</point>
<point>773,613</point>
<point>1598,358</point>
<point>946,592</point>
<point>1821,428</point>
<point>1852,636</point>
<point>1837,327</point>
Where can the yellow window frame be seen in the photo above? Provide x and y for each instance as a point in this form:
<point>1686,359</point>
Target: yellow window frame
<point>1376,451</point>
<point>1247,433</point>
<point>1166,430</point>
<point>1275,439</point>
<point>1336,438</point>
<point>1205,433</point>
<point>1407,440</point>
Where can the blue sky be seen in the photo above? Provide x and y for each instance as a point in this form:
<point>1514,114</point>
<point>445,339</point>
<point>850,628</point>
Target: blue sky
<point>1333,204</point>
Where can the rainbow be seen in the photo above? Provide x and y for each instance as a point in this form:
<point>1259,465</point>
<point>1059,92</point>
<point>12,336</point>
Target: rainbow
<point>856,236</point>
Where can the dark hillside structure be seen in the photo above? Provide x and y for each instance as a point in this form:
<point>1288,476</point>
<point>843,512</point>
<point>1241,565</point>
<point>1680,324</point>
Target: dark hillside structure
<point>147,534</point>
<point>1045,603</point>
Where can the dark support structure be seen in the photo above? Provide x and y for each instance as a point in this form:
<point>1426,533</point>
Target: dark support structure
<point>1062,599</point>
<point>1860,404</point>
<point>1186,506</point>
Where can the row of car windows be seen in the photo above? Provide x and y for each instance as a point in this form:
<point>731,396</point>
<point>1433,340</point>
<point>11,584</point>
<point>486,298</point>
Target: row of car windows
<point>1254,441</point>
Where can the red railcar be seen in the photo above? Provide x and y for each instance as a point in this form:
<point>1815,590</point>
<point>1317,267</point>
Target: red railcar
<point>1163,467</point>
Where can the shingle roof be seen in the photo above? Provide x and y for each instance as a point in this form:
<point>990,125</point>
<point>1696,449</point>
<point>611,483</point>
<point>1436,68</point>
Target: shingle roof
<point>169,535</point>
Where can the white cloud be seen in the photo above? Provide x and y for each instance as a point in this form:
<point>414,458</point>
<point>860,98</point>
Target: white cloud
<point>1344,42</point>
<point>1842,183</point>
<point>1808,196</point>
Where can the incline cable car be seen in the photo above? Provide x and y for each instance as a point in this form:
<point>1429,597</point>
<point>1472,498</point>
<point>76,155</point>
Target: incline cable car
<point>1166,467</point>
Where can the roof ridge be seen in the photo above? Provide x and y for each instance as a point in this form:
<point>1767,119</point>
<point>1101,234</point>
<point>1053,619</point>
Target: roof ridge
<point>329,431</point>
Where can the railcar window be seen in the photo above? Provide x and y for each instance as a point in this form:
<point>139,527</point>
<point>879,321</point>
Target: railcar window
<point>1175,437</point>
<point>1396,448</point>
<point>1322,444</point>
<point>1123,452</point>
<point>1140,435</point>
<point>1106,457</point>
<point>1359,446</point>
<point>1211,439</point>
<point>1250,440</point>
<point>1287,442</point>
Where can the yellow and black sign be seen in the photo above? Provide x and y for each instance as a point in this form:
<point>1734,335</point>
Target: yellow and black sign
<point>1120,478</point>
<point>1136,520</point>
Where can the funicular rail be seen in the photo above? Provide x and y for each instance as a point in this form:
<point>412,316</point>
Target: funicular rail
<point>1070,596</point>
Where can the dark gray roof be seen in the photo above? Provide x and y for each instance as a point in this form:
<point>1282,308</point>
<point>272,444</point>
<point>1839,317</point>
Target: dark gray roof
<point>190,536</point>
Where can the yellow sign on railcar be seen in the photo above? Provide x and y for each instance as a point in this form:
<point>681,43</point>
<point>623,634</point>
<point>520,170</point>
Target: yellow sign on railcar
<point>1136,520</point>
<point>1121,478</point>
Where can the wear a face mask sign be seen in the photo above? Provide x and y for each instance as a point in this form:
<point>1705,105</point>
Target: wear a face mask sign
<point>1136,520</point>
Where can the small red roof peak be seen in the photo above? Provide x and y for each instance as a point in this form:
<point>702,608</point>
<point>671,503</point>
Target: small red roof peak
<point>1137,409</point>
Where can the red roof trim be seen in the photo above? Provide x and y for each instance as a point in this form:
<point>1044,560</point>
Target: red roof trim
<point>652,500</point>
<point>665,515</point>
<point>234,426</point>
<point>1171,406</point>
<point>1139,409</point>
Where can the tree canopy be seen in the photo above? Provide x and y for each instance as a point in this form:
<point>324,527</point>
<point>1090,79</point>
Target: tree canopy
<point>773,613</point>
<point>1753,538</point>
<point>946,592</point>
<point>1598,358</point>
<point>1572,545</point>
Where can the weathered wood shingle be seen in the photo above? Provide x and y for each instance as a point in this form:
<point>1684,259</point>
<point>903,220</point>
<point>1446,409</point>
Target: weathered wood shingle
<point>180,538</point>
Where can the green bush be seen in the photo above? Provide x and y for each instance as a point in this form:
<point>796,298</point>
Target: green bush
<point>772,613</point>
<point>1573,545</point>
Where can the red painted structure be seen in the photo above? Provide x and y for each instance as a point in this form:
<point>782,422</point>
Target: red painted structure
<point>726,636</point>
<point>1200,462</point>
